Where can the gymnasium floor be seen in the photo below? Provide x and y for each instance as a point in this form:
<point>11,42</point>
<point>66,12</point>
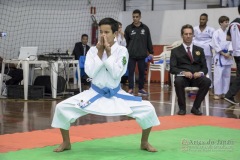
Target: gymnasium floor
<point>26,124</point>
<point>23,116</point>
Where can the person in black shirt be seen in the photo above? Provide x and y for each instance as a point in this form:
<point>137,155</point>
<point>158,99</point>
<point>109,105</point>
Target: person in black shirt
<point>139,44</point>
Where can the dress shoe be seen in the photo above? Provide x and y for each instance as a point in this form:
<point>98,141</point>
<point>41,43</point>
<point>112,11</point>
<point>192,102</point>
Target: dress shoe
<point>196,112</point>
<point>211,92</point>
<point>181,112</point>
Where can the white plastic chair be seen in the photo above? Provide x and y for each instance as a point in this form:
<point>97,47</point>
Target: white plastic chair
<point>159,64</point>
<point>177,43</point>
<point>206,99</point>
<point>173,45</point>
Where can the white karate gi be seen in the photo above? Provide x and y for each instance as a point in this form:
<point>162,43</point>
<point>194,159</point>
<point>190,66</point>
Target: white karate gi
<point>203,39</point>
<point>235,36</point>
<point>105,73</point>
<point>222,74</point>
<point>121,40</point>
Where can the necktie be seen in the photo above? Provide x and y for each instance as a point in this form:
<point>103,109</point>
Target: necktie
<point>84,50</point>
<point>189,54</point>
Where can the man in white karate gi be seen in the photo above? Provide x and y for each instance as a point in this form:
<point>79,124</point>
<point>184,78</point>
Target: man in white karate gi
<point>203,38</point>
<point>105,64</point>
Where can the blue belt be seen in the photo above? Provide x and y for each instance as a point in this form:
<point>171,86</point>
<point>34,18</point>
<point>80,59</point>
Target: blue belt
<point>224,51</point>
<point>220,62</point>
<point>108,93</point>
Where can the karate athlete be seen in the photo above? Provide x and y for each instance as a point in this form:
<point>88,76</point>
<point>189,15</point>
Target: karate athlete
<point>222,59</point>
<point>105,64</point>
<point>120,36</point>
<point>203,38</point>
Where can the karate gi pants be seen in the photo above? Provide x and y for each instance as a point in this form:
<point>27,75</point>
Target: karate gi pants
<point>66,113</point>
<point>221,78</point>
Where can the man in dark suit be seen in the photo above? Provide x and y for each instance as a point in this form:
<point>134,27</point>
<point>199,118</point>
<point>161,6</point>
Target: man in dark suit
<point>188,63</point>
<point>81,48</point>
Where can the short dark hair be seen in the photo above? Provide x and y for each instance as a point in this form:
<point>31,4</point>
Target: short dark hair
<point>84,35</point>
<point>187,26</point>
<point>204,14</point>
<point>137,11</point>
<point>222,19</point>
<point>109,21</point>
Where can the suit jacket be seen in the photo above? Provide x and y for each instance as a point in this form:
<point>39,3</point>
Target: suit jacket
<point>78,50</point>
<point>179,60</point>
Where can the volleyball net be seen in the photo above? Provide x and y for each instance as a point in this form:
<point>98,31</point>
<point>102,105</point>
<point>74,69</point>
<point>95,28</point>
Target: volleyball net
<point>51,25</point>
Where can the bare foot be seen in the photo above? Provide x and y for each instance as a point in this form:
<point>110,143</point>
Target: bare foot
<point>62,147</point>
<point>148,147</point>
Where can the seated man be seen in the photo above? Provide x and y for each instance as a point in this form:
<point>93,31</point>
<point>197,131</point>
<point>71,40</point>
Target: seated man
<point>15,74</point>
<point>105,64</point>
<point>188,63</point>
<point>81,49</point>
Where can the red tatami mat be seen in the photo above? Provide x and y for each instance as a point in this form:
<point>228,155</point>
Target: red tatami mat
<point>48,137</point>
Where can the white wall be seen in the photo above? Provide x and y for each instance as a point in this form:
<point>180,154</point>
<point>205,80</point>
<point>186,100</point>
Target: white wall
<point>165,26</point>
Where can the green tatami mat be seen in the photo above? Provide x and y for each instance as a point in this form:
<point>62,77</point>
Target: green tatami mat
<point>191,143</point>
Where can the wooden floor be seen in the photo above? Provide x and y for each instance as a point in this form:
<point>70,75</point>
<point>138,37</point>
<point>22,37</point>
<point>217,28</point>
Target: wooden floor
<point>22,116</point>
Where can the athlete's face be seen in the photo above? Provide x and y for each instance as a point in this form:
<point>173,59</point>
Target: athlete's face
<point>106,31</point>
<point>225,24</point>
<point>136,18</point>
<point>120,28</point>
<point>203,20</point>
